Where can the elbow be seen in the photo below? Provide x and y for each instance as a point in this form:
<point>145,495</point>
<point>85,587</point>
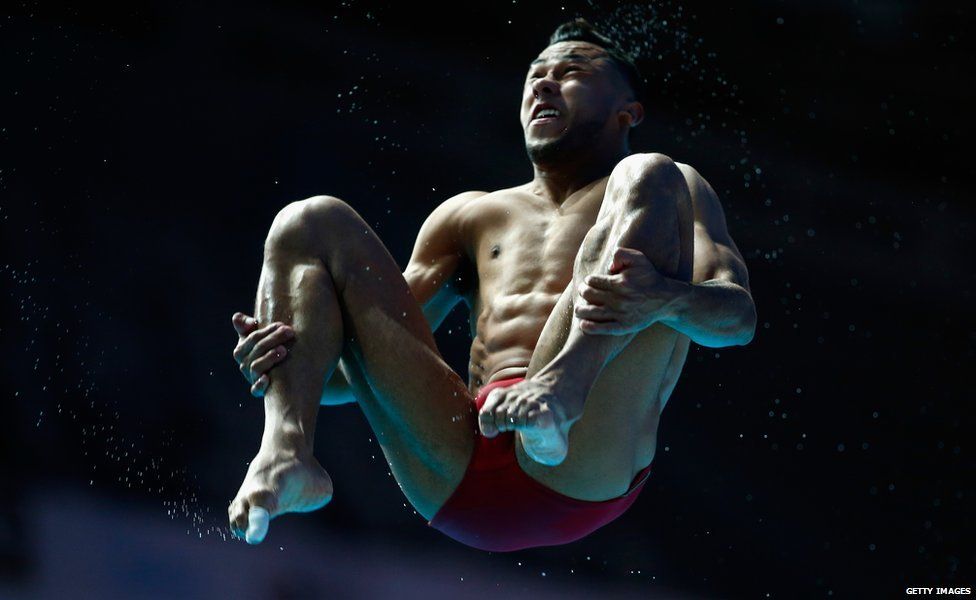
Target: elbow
<point>738,331</point>
<point>747,328</point>
<point>725,339</point>
<point>745,338</point>
<point>734,326</point>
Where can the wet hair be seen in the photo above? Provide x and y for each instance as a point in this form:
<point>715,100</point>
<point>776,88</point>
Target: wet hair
<point>580,30</point>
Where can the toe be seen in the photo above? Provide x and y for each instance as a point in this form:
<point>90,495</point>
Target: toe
<point>258,519</point>
<point>488,416</point>
<point>264,499</point>
<point>521,415</point>
<point>510,421</point>
<point>237,513</point>
<point>486,422</point>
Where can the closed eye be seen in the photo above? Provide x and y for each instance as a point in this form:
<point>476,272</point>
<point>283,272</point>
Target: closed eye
<point>567,69</point>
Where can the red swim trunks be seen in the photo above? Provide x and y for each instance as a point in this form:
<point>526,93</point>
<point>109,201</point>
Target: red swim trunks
<point>498,507</point>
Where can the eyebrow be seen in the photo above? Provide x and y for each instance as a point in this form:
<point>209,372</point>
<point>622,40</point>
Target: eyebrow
<point>579,57</point>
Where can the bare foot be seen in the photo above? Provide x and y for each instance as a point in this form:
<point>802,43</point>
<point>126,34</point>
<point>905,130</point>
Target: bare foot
<point>278,481</point>
<point>539,411</point>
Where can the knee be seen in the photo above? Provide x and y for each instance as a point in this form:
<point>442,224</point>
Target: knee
<point>649,177</point>
<point>303,222</point>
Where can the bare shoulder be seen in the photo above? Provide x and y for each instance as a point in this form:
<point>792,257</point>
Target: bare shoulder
<point>449,214</point>
<point>442,229</point>
<point>707,206</point>
<point>458,201</point>
<point>702,194</point>
<point>487,198</point>
<point>716,254</point>
<point>469,212</point>
<point>480,206</point>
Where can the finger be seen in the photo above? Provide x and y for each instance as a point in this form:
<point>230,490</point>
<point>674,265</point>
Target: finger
<point>262,365</point>
<point>591,312</point>
<point>601,328</point>
<point>613,301</point>
<point>260,386</point>
<point>607,283</point>
<point>592,295</point>
<point>623,258</point>
<point>258,519</point>
<point>259,334</point>
<point>246,344</point>
<point>277,337</point>
<point>243,324</point>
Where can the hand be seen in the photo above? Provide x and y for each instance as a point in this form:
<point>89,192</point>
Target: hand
<point>631,297</point>
<point>258,350</point>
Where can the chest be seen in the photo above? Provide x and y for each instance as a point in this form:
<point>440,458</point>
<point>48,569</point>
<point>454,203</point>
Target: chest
<point>533,247</point>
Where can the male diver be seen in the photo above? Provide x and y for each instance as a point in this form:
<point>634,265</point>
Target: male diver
<point>585,287</point>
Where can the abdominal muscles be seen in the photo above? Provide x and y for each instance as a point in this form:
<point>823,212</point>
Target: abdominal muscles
<point>508,328</point>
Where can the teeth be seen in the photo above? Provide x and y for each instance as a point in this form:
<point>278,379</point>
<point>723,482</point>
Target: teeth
<point>547,112</point>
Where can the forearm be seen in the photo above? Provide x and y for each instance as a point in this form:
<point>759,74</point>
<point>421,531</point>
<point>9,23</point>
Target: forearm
<point>714,313</point>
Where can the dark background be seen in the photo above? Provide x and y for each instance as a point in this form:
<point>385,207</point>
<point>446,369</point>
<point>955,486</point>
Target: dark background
<point>146,148</point>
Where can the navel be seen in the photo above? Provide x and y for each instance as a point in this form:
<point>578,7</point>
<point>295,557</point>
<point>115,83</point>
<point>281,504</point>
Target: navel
<point>495,251</point>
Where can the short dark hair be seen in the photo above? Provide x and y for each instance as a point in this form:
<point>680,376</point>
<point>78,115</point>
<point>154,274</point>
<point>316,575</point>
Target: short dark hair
<point>580,30</point>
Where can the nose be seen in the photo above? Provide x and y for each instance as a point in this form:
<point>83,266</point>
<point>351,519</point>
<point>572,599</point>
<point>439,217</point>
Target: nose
<point>544,85</point>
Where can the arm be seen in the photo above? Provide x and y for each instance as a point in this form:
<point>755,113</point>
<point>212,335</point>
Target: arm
<point>716,309</point>
<point>431,276</point>
<point>437,258</point>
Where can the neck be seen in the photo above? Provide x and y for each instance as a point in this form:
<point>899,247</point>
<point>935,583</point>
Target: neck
<point>558,181</point>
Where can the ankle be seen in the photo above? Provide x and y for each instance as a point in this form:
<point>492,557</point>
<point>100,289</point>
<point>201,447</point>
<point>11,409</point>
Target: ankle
<point>565,376</point>
<point>286,437</point>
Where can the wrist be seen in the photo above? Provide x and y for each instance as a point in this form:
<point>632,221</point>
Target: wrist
<point>676,300</point>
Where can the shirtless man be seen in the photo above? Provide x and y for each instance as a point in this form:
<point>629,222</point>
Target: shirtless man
<point>585,288</point>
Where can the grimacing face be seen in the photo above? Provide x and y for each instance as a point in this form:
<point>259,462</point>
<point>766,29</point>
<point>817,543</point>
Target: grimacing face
<point>573,94</point>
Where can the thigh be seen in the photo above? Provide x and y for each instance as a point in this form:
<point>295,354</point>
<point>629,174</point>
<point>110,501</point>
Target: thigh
<point>617,434</point>
<point>627,400</point>
<point>419,408</point>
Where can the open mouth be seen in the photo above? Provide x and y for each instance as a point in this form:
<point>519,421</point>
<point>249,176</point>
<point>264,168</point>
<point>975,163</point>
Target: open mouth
<point>545,114</point>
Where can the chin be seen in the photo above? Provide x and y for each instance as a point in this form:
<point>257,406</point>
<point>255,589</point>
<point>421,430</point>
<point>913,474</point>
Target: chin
<point>567,144</point>
<point>545,151</point>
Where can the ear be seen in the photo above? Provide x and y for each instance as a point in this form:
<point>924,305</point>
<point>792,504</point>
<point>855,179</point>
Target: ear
<point>633,113</point>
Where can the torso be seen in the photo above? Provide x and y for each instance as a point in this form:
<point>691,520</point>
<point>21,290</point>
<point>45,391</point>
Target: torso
<point>522,248</point>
